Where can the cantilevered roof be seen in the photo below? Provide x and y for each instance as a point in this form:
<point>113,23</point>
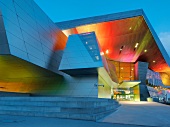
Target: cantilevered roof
<point>98,19</point>
<point>128,36</point>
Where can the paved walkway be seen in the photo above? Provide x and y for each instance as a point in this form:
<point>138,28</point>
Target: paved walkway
<point>141,113</point>
<point>21,121</point>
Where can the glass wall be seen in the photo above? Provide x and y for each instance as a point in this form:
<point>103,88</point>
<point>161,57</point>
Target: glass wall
<point>126,94</point>
<point>124,71</point>
<point>153,78</point>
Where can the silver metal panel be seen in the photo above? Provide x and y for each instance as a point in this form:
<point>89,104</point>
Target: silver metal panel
<point>17,52</point>
<point>4,47</point>
<point>34,52</point>
<point>12,28</point>
<point>73,60</point>
<point>15,41</point>
<point>8,4</point>
<point>8,13</point>
<point>32,41</point>
<point>31,35</point>
<point>36,60</point>
<point>32,38</point>
<point>28,29</point>
<point>28,9</point>
<point>26,17</point>
<point>3,37</point>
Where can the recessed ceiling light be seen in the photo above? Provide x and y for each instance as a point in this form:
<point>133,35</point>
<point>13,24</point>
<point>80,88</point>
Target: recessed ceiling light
<point>145,50</point>
<point>97,57</point>
<point>136,45</point>
<point>107,51</point>
<point>102,53</point>
<point>122,47</point>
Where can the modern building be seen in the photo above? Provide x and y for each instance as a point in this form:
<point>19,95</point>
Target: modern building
<point>111,56</point>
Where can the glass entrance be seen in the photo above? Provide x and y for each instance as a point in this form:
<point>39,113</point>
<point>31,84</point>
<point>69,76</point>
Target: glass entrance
<point>124,94</point>
<point>125,97</point>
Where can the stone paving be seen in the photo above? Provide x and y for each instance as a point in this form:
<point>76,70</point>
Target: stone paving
<point>21,121</point>
<point>141,113</point>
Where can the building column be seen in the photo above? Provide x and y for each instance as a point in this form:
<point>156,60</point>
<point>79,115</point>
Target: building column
<point>140,74</point>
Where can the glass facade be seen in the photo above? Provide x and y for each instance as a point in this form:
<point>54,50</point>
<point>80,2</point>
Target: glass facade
<point>124,94</point>
<point>154,78</point>
<point>125,71</point>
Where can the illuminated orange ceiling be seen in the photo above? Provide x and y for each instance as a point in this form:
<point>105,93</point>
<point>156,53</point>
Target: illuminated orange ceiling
<point>119,38</point>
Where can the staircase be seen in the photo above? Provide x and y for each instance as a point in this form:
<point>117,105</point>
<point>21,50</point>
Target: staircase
<point>82,108</point>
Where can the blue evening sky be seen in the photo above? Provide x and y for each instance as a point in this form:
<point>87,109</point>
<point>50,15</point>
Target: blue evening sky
<point>157,11</point>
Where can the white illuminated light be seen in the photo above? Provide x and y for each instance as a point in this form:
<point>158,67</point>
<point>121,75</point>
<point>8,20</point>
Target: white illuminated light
<point>122,47</point>
<point>145,50</point>
<point>86,42</point>
<point>136,45</point>
<point>97,57</point>
<point>107,51</point>
<point>102,53</point>
<point>130,28</point>
<point>154,61</point>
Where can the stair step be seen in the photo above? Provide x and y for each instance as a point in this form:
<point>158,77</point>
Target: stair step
<point>58,103</point>
<point>78,116</point>
<point>84,99</point>
<point>60,107</point>
<point>30,108</point>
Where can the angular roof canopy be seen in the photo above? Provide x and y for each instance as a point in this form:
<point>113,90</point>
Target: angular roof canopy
<point>126,36</point>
